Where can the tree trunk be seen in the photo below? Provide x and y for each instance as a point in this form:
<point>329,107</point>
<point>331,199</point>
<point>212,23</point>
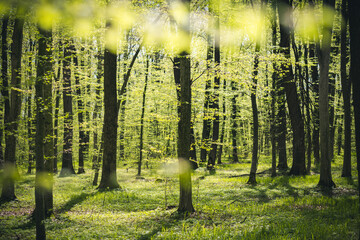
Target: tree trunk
<point>108,176</point>
<point>97,153</point>
<point>346,89</point>
<point>5,83</point>
<point>233,121</point>
<point>56,116</point>
<point>215,103</point>
<point>308,110</point>
<point>39,156</point>
<point>80,112</point>
<point>142,116</point>
<point>184,124</point>
<point>297,124</point>
<point>325,161</point>
<point>11,120</point>
<point>45,73</point>
<point>67,158</point>
<point>221,147</point>
<point>254,159</point>
<point>354,22</point>
<point>206,119</point>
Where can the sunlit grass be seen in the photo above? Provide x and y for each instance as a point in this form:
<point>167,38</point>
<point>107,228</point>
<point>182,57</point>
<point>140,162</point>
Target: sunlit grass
<point>283,207</point>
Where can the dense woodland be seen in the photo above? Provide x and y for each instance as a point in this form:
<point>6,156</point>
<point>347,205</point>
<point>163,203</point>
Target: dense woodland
<point>111,95</point>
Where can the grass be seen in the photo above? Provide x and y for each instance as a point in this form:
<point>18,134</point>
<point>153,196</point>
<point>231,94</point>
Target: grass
<point>283,207</point>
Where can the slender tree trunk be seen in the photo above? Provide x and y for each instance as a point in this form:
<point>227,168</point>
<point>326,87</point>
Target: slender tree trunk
<point>44,134</point>
<point>315,84</point>
<point>184,124</point>
<point>215,103</point>
<point>142,117</point>
<point>45,71</point>
<point>346,89</point>
<point>206,119</point>
<point>223,126</point>
<point>8,189</point>
<point>354,22</point>
<point>297,124</point>
<point>325,161</point>
<point>56,117</point>
<point>308,110</point>
<point>30,119</point>
<point>80,112</point>
<point>5,83</point>
<point>67,158</point>
<point>40,211</point>
<point>274,77</point>
<point>233,122</point>
<point>254,159</point>
<point>97,146</point>
<point>108,175</point>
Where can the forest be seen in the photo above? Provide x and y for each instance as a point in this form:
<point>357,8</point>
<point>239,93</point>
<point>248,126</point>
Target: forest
<point>180,119</point>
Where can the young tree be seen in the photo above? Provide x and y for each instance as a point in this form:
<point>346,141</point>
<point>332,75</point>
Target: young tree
<point>11,120</point>
<point>354,22</point>
<point>4,77</point>
<point>45,72</point>
<point>215,98</point>
<point>287,82</point>
<point>142,117</point>
<point>67,158</point>
<point>108,175</point>
<point>184,124</point>
<point>325,161</point>
<point>346,90</point>
<point>43,138</point>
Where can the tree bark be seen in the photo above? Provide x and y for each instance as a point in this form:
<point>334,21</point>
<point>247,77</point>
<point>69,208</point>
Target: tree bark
<point>354,22</point>
<point>287,82</point>
<point>233,121</point>
<point>215,103</point>
<point>325,161</point>
<point>80,112</point>
<point>5,84</point>
<point>108,175</point>
<point>142,117</point>
<point>67,158</point>
<point>346,89</point>
<point>11,120</point>
<point>207,118</point>
<point>184,124</point>
<point>45,73</point>
<point>254,159</point>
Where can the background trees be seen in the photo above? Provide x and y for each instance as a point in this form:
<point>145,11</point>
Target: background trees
<point>233,85</point>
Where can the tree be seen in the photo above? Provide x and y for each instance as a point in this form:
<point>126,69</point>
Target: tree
<point>142,117</point>
<point>80,103</point>
<point>354,23</point>
<point>108,175</point>
<point>346,90</point>
<point>11,120</point>
<point>43,138</point>
<point>4,77</point>
<point>45,73</point>
<point>184,124</point>
<point>215,98</point>
<point>325,161</point>
<point>67,158</point>
<point>287,82</point>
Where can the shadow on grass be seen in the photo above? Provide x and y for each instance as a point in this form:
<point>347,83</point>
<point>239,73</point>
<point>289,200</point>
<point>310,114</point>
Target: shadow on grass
<point>74,201</point>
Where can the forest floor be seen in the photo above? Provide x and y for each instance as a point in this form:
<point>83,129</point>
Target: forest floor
<point>226,207</point>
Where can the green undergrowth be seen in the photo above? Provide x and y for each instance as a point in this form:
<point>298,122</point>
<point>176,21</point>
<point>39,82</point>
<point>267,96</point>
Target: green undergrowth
<point>282,207</point>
